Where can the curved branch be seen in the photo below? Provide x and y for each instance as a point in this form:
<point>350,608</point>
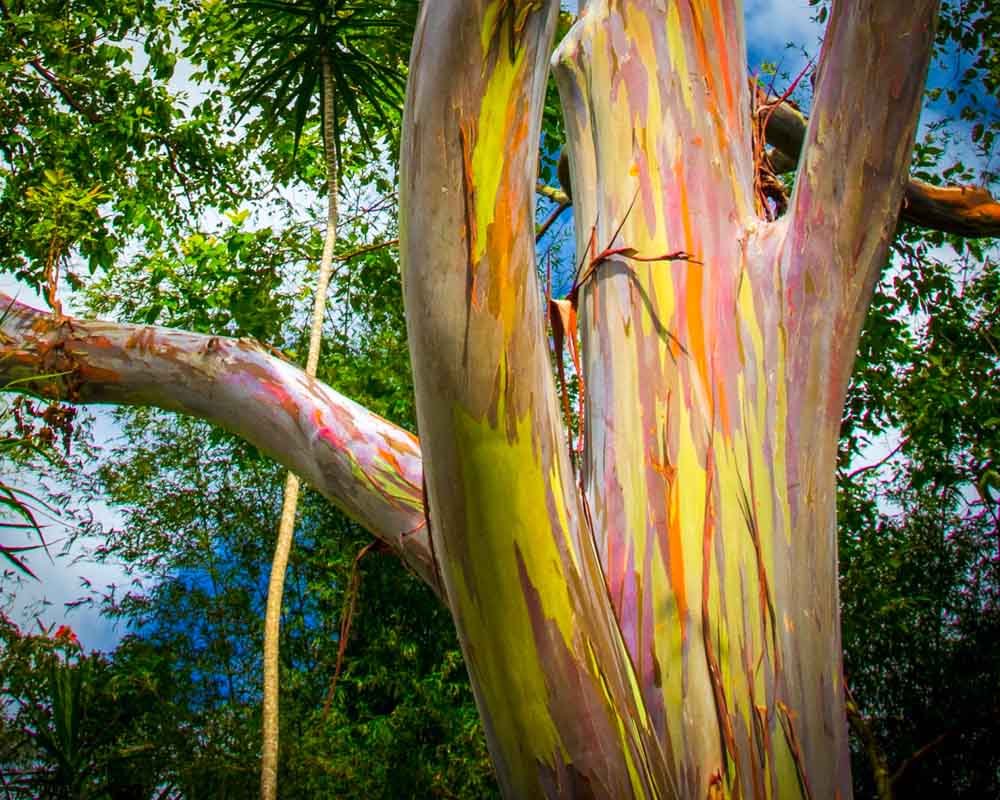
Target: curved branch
<point>365,465</point>
<point>920,754</point>
<point>550,221</point>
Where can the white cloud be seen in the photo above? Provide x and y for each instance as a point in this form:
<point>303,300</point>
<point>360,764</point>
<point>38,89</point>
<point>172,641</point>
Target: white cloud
<point>66,578</point>
<point>771,24</point>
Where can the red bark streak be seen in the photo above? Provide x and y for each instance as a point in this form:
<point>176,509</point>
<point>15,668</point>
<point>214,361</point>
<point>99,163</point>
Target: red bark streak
<point>91,374</point>
<point>788,726</point>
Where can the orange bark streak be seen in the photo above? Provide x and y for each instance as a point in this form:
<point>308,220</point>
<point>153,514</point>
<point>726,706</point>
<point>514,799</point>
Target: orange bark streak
<point>390,459</point>
<point>676,554</point>
<point>696,321</point>
<point>93,374</point>
<point>723,57</point>
<point>470,232</point>
<point>706,64</point>
<point>507,225</point>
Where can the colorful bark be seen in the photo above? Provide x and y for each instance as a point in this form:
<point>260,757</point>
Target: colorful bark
<point>670,629</point>
<point>368,467</point>
<point>551,675</point>
<point>715,386</point>
<point>714,379</point>
<point>685,452</point>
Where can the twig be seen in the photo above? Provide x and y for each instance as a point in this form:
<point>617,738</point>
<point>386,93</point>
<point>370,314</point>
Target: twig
<point>346,618</point>
<point>880,462</point>
<point>556,213</point>
<point>368,248</point>
<point>919,754</point>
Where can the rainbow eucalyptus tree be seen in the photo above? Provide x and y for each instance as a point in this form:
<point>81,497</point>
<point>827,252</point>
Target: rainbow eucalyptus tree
<point>660,619</point>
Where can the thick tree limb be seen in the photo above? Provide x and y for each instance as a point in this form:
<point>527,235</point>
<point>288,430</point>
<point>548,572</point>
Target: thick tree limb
<point>547,661</point>
<point>852,171</point>
<point>366,466</point>
<point>969,211</point>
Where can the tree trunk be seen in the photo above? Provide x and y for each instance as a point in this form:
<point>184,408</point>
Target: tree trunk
<point>673,629</point>
<point>665,623</point>
<point>270,722</point>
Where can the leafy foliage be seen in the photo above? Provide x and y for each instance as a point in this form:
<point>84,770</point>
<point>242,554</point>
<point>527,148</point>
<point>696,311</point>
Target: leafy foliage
<point>920,566</point>
<point>107,169</point>
<point>95,148</point>
<point>29,431</point>
<point>290,40</point>
<point>82,726</point>
<point>967,31</point>
<point>199,532</point>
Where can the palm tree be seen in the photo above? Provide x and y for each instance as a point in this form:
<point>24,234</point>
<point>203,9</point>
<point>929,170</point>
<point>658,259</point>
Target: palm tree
<point>349,52</point>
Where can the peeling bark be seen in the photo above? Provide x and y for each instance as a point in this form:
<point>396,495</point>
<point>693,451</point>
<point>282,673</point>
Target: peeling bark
<point>368,467</point>
<point>669,626</point>
<point>683,462</point>
<point>715,385</point>
<point>551,675</point>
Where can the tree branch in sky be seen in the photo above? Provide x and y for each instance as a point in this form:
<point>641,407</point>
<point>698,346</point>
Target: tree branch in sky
<point>368,467</point>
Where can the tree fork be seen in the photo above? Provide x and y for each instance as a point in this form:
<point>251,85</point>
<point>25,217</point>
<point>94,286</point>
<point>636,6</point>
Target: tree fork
<point>672,628</point>
<point>967,211</point>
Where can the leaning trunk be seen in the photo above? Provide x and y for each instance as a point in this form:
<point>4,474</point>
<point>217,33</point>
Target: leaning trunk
<point>669,627</point>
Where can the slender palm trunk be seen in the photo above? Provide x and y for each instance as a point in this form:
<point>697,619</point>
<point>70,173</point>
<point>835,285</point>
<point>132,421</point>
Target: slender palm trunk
<point>286,526</point>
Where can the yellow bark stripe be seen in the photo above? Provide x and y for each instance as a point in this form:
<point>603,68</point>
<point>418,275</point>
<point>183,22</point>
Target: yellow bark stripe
<point>505,498</point>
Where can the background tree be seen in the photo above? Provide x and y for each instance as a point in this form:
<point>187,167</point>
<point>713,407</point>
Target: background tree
<point>237,277</point>
<point>198,532</point>
<point>674,316</point>
<point>81,726</point>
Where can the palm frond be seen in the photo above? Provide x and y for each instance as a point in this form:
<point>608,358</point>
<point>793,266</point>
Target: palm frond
<point>288,41</point>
